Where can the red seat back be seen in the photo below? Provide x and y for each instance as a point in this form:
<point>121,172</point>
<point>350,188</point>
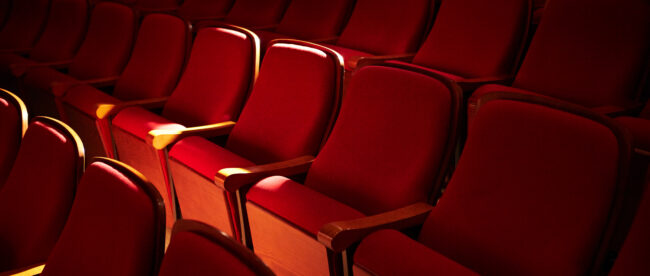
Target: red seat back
<point>13,124</point>
<point>387,26</point>
<point>25,23</point>
<point>116,225</point>
<point>476,38</point>
<point>107,46</point>
<point>221,70</point>
<point>64,31</point>
<point>309,19</point>
<point>38,194</point>
<point>156,60</point>
<point>196,248</point>
<point>256,13</point>
<point>291,106</point>
<point>392,142</point>
<point>203,9</point>
<point>590,52</point>
<point>535,192</point>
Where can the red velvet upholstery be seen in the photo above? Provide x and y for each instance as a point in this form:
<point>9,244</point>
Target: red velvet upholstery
<point>540,184</point>
<point>198,249</point>
<point>453,44</point>
<point>37,197</point>
<point>64,31</point>
<point>13,117</point>
<point>256,13</point>
<point>311,19</point>
<point>116,226</point>
<point>588,52</point>
<point>633,257</point>
<point>407,257</point>
<point>640,129</point>
<point>194,10</point>
<point>25,23</point>
<point>5,8</point>
<point>301,206</point>
<point>286,116</point>
<point>388,149</point>
<point>386,26</point>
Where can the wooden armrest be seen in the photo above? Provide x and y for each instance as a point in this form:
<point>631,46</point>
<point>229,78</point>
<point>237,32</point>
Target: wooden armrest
<point>233,179</point>
<point>108,110</point>
<point>340,235</point>
<point>18,51</point>
<point>19,69</point>
<point>30,270</point>
<point>161,138</point>
<point>330,39</point>
<point>365,61</point>
<point>265,27</point>
<point>472,84</point>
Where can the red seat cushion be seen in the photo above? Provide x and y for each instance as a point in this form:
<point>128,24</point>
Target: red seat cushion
<point>389,252</point>
<point>139,121</point>
<point>192,254</point>
<point>86,98</point>
<point>640,129</point>
<point>205,157</point>
<point>299,205</point>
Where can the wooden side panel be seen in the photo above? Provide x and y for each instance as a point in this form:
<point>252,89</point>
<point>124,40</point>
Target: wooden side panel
<point>200,199</point>
<point>284,248</point>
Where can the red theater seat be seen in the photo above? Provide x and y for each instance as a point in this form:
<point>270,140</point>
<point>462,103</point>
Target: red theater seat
<point>116,225</point>
<point>197,10</point>
<point>198,249</point>
<point>13,124</point>
<point>309,19</point>
<point>150,75</point>
<point>24,25</point>
<point>220,73</point>
<point>37,197</point>
<point>537,191</point>
<point>102,56</point>
<point>452,48</point>
<point>589,52</point>
<point>391,146</point>
<point>63,33</point>
<point>287,116</point>
<point>383,27</point>
<point>253,14</point>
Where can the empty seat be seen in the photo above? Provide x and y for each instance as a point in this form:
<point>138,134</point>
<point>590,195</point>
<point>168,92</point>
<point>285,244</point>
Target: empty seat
<point>198,249</point>
<point>116,225</point>
<point>221,70</point>
<point>37,196</point>
<point>101,56</point>
<point>151,73</point>
<point>13,124</point>
<point>592,53</point>
<point>476,41</point>
<point>383,27</point>
<point>288,115</point>
<point>24,25</point>
<point>309,19</point>
<point>536,192</point>
<point>197,10</point>
<point>391,146</point>
<point>633,257</point>
<point>64,30</point>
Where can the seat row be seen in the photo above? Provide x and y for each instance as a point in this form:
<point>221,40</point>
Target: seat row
<point>110,221</point>
<point>519,153</point>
